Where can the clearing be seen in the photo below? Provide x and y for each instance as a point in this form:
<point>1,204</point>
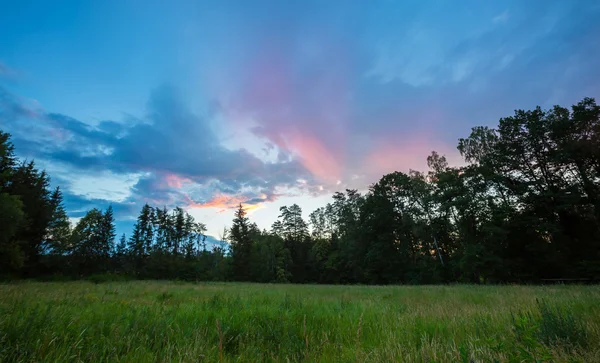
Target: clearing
<point>141,321</point>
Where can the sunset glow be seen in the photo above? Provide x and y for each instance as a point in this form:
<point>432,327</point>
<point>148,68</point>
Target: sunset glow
<point>265,103</point>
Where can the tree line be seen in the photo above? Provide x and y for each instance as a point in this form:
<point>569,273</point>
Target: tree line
<point>525,206</point>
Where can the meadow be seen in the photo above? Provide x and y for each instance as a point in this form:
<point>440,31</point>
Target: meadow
<point>148,321</point>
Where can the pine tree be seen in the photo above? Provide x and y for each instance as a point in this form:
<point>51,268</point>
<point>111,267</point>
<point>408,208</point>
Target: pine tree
<point>163,230</point>
<point>107,231</point>
<point>31,186</point>
<point>59,228</point>
<point>141,240</point>
<point>277,228</point>
<point>7,160</point>
<point>178,230</point>
<point>241,245</point>
<point>11,219</point>
<point>295,234</point>
<point>293,226</point>
<point>11,211</point>
<point>121,247</point>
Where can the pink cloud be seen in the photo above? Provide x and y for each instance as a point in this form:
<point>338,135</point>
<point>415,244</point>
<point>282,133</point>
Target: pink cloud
<point>299,107</point>
<point>390,156</point>
<point>223,202</point>
<point>305,105</point>
<point>413,132</point>
<point>316,157</point>
<point>176,181</point>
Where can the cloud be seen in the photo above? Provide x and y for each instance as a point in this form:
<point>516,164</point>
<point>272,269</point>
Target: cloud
<point>325,93</point>
<point>7,72</point>
<point>406,156</point>
<point>224,201</point>
<point>381,99</point>
<point>177,157</point>
<point>13,107</point>
<point>502,17</point>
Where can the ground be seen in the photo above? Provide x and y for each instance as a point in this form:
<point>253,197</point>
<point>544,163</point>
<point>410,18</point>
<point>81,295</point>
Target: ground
<point>152,321</point>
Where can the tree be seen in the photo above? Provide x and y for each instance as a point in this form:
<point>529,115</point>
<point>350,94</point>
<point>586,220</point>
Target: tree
<point>294,227</point>
<point>271,259</point>
<point>11,218</point>
<point>241,245</point>
<point>59,228</point>
<point>107,230</point>
<point>318,224</point>
<point>7,160</point>
<point>91,243</point>
<point>535,177</point>
<point>121,247</point>
<point>524,207</point>
<point>163,230</point>
<point>179,232</point>
<point>294,231</point>
<point>141,239</point>
<point>31,186</point>
<point>277,228</point>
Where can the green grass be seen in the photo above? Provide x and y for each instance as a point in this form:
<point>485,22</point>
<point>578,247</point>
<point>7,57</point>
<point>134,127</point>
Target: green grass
<point>167,321</point>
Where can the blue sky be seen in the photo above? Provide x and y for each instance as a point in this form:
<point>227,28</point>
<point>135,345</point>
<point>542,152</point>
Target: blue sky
<point>207,104</point>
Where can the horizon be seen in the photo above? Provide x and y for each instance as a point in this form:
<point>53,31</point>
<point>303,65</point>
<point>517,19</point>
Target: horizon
<point>269,104</point>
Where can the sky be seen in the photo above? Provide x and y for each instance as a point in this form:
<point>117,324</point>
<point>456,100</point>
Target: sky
<point>209,104</point>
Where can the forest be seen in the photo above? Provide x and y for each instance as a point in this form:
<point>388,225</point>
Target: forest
<point>524,207</point>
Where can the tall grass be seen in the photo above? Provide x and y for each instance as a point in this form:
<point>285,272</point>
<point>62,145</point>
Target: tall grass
<point>162,321</point>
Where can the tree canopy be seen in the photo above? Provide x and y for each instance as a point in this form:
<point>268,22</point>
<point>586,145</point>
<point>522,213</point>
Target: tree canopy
<point>524,206</point>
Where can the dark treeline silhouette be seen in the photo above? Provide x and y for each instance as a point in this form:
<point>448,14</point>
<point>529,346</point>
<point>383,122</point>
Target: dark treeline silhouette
<point>524,207</point>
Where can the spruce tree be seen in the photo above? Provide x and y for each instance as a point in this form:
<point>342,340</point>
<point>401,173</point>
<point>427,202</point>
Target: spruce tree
<point>59,228</point>
<point>241,245</point>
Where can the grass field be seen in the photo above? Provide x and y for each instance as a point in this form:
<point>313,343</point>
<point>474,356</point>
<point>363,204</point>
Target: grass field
<point>168,321</point>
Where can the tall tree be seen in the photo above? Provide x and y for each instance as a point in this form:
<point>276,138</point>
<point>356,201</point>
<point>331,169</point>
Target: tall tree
<point>241,245</point>
<point>7,160</point>
<point>59,228</point>
<point>107,230</point>
<point>12,216</point>
<point>179,232</point>
<point>294,227</point>
<point>121,246</point>
<point>91,243</point>
<point>141,239</point>
<point>163,230</point>
<point>295,234</point>
<point>524,207</point>
<point>31,186</point>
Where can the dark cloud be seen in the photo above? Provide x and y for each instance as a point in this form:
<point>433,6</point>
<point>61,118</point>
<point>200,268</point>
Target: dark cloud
<point>180,157</point>
<point>78,205</point>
